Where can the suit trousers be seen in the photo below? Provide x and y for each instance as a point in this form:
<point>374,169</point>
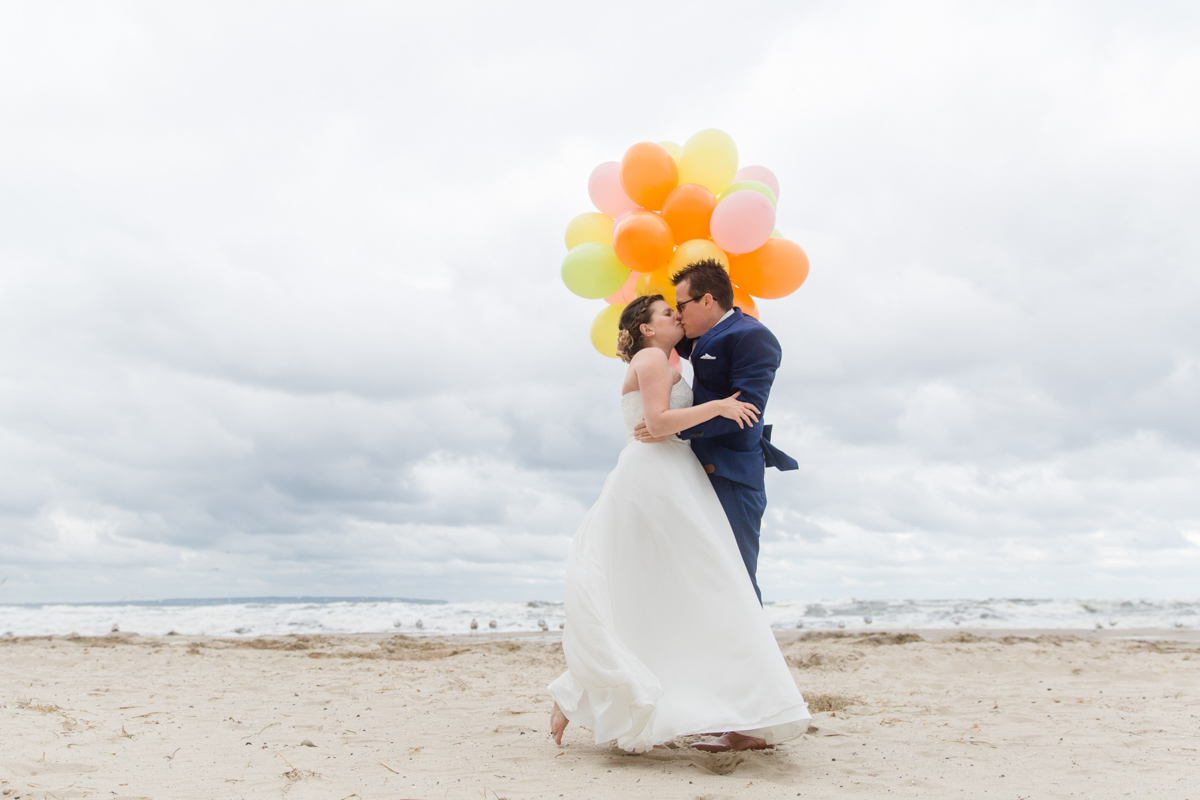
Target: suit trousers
<point>744,506</point>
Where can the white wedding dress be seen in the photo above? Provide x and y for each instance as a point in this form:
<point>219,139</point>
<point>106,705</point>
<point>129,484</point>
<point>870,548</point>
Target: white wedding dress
<point>664,635</point>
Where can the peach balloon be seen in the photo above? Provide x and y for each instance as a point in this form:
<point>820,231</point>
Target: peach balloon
<point>694,250</point>
<point>604,188</point>
<point>626,293</point>
<point>648,174</point>
<point>774,270</point>
<point>643,241</point>
<point>754,186</point>
<point>687,210</point>
<point>761,174</point>
<point>743,221</point>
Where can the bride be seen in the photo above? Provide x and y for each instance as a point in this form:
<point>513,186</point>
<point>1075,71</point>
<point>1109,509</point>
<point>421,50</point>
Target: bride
<point>665,636</point>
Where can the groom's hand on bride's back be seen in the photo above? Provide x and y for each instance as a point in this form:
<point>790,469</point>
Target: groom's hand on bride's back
<point>642,434</point>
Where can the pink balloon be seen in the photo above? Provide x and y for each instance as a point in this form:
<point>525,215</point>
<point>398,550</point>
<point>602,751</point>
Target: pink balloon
<point>760,174</point>
<point>741,223</point>
<point>626,293</point>
<point>604,187</point>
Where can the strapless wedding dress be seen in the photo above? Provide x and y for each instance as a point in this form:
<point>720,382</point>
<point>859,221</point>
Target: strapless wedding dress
<point>664,634</point>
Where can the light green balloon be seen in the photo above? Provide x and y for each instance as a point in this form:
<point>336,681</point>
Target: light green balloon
<point>592,270</point>
<point>775,234</point>
<point>754,186</point>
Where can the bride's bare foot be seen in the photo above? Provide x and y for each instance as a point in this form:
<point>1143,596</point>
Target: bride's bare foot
<point>733,741</point>
<point>558,723</point>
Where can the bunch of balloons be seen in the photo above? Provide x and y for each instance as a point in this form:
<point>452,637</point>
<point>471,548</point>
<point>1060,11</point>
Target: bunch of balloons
<point>664,206</point>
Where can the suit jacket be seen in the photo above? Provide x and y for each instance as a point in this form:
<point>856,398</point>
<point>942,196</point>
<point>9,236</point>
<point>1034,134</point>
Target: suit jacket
<point>738,354</point>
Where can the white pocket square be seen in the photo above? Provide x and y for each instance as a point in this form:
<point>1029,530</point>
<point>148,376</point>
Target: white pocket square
<point>707,357</point>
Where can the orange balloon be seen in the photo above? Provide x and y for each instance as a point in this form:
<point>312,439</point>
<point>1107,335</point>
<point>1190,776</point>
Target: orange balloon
<point>774,270</point>
<point>695,250</point>
<point>643,241</point>
<point>687,211</point>
<point>648,174</point>
<point>744,301</point>
<point>658,282</point>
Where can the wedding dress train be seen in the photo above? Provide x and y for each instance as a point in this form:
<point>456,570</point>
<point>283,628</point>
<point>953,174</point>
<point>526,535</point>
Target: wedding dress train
<point>664,634</point>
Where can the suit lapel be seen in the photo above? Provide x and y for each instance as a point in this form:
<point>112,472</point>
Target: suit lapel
<point>702,342</point>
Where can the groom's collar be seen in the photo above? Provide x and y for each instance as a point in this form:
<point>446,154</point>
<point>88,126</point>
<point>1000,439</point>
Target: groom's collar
<point>730,315</point>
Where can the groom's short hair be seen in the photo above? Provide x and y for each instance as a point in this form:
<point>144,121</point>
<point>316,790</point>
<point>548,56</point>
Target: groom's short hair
<point>707,277</point>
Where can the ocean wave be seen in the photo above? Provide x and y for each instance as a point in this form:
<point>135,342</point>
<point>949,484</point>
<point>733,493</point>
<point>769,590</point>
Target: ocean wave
<point>275,616</point>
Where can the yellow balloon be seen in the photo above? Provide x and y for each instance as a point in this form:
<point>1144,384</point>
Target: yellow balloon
<point>590,227</point>
<point>604,330</point>
<point>657,282</point>
<point>675,150</point>
<point>710,159</point>
<point>695,250</point>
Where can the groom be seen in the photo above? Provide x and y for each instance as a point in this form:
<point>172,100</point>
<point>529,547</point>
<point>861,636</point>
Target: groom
<point>729,352</point>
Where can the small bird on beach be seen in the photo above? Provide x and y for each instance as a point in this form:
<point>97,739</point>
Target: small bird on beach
<point>868,620</point>
<point>542,624</point>
<point>799,624</point>
<point>398,624</point>
<point>420,625</point>
<point>841,624</point>
<point>492,624</point>
<point>474,624</point>
<point>115,628</point>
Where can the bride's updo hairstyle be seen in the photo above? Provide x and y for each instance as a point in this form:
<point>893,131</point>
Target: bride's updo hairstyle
<point>636,314</point>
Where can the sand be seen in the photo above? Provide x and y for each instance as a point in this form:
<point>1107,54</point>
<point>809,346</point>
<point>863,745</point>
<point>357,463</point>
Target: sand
<point>913,715</point>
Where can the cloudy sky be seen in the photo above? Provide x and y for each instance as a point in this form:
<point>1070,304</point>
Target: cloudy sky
<point>280,307</point>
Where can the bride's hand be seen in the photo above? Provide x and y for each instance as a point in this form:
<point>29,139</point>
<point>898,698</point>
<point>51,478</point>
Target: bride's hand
<point>742,413</point>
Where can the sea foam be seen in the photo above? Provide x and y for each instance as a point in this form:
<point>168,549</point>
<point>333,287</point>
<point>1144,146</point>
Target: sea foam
<point>273,616</point>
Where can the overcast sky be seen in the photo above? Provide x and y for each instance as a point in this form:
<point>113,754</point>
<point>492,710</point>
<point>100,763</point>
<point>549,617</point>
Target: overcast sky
<point>280,306</point>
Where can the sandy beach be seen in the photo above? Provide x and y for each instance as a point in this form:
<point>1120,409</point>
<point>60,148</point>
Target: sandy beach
<point>916,714</point>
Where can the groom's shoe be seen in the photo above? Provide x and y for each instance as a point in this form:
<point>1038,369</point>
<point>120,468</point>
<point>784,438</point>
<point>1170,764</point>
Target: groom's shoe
<point>733,741</point>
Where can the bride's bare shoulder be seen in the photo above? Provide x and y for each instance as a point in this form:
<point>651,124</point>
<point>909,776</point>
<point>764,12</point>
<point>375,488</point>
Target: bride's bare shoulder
<point>648,356</point>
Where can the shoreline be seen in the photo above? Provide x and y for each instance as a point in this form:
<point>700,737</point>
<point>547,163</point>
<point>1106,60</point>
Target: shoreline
<point>912,713</point>
<point>782,635</point>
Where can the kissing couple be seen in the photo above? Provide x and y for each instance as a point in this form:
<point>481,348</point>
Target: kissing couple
<point>665,632</point>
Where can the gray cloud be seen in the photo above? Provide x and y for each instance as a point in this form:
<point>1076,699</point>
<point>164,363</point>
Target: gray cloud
<point>280,308</point>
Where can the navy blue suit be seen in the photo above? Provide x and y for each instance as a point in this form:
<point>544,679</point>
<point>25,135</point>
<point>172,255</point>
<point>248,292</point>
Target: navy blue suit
<point>738,354</point>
